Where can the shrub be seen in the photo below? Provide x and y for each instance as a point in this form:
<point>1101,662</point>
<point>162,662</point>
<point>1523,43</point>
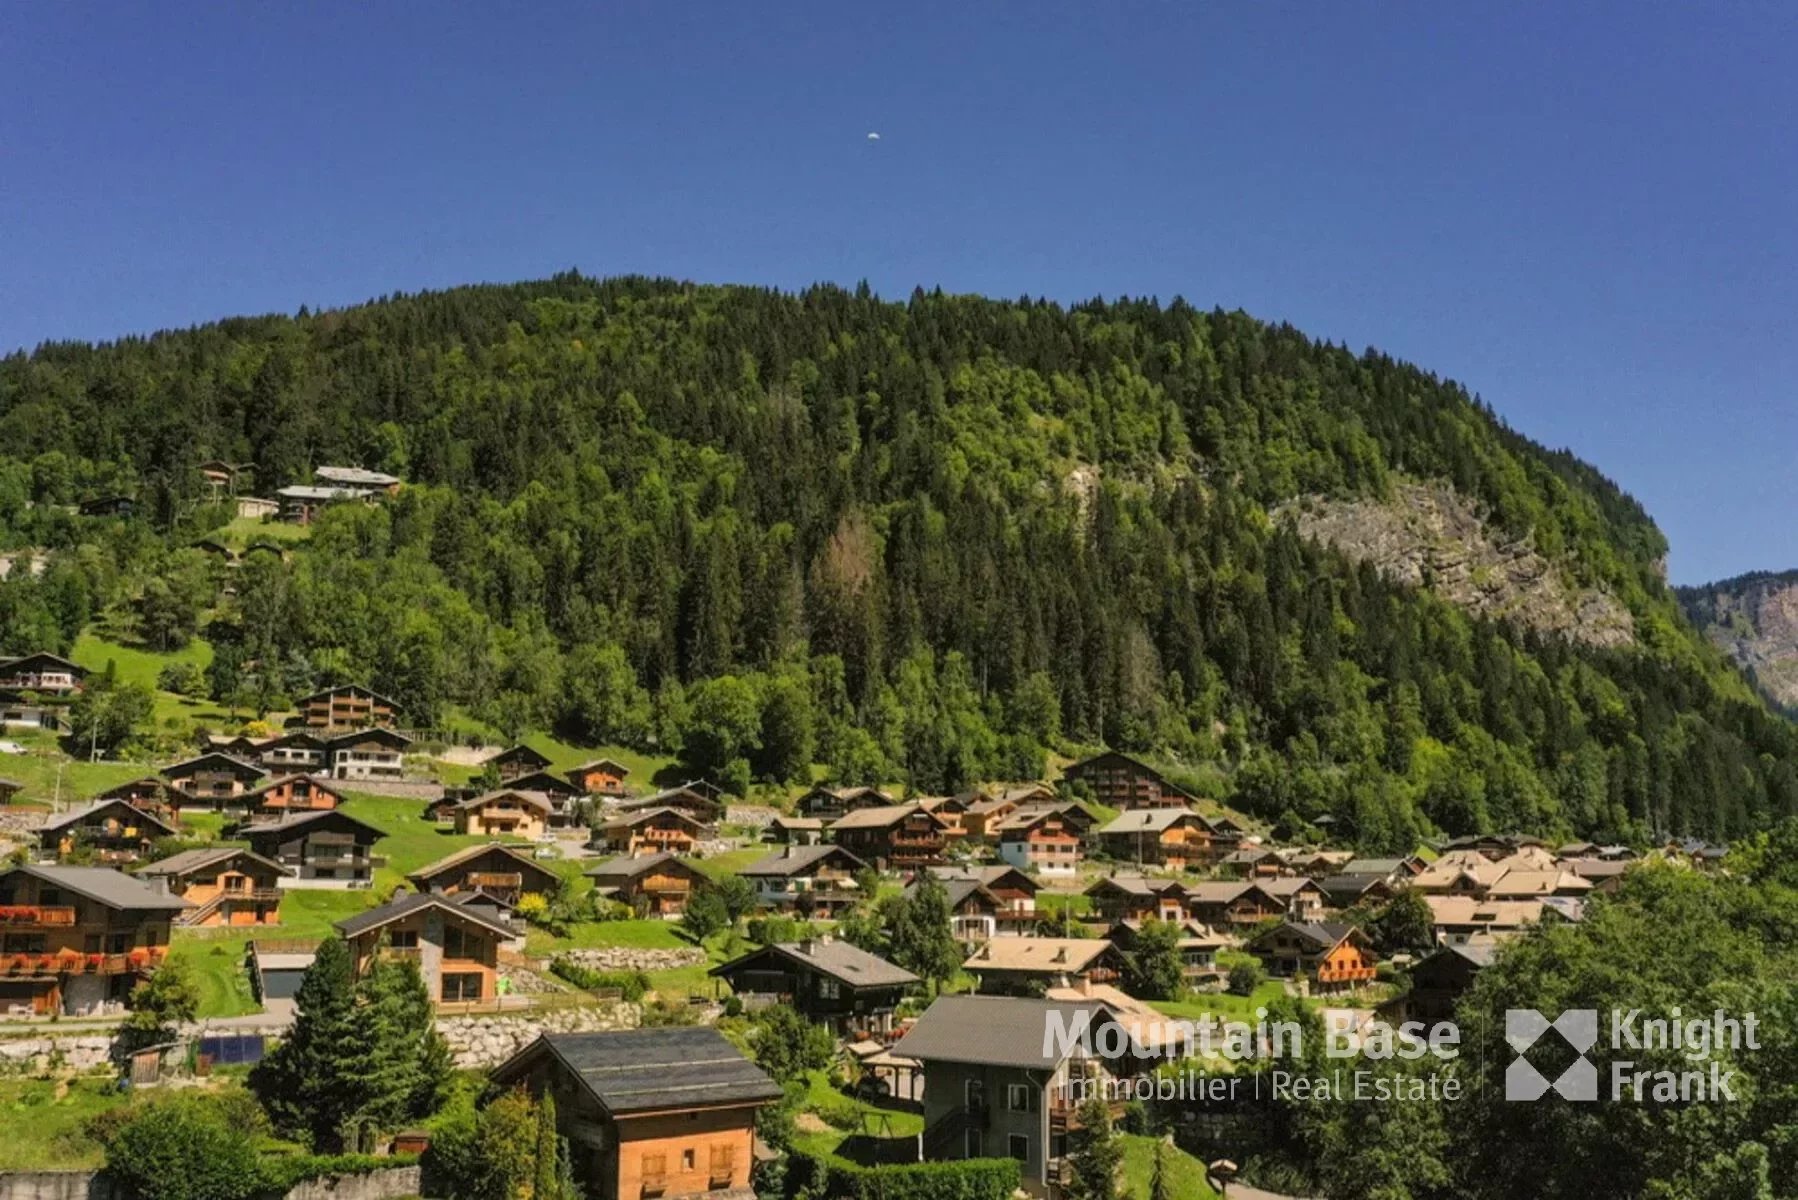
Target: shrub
<point>188,1146</point>
<point>1245,977</point>
<point>633,984</point>
<point>967,1179</point>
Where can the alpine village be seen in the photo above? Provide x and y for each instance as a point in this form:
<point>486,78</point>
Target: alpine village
<point>636,741</point>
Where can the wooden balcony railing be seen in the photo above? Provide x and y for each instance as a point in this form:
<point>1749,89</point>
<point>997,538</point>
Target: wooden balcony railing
<point>495,880</point>
<point>1346,974</point>
<point>267,895</point>
<point>71,962</point>
<point>36,915</point>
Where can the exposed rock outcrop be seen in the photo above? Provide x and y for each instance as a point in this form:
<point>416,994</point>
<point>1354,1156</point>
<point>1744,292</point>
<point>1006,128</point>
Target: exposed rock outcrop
<point>1753,619</point>
<point>1428,535</point>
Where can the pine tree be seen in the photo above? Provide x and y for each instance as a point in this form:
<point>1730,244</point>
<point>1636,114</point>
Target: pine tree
<point>408,1062</point>
<point>317,1081</point>
<point>1161,1184</point>
<point>543,1179</point>
<point>1095,1151</point>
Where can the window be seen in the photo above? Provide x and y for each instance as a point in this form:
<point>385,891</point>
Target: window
<point>828,988</point>
<point>687,1159</point>
<point>403,939</point>
<point>459,943</point>
<point>1020,1098</point>
<point>1018,1146</point>
<point>461,987</point>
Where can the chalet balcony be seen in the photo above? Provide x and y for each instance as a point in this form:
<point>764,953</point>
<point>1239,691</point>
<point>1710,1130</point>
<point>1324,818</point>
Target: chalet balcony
<point>495,881</point>
<point>1347,975</point>
<point>36,916</point>
<point>1064,1109</point>
<point>70,962</point>
<point>269,895</point>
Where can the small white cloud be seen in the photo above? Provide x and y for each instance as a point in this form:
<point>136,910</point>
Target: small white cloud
<point>873,137</point>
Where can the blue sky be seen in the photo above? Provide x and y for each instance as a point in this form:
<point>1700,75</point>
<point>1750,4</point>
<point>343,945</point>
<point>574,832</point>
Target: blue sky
<point>1584,212</point>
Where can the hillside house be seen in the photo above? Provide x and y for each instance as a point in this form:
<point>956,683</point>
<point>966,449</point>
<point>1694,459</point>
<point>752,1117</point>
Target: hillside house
<point>1045,841</point>
<point>830,804</point>
<point>1332,957</point>
<point>1253,862</point>
<point>41,673</point>
<point>289,794</point>
<point>1019,966</point>
<point>601,777</point>
<point>347,706</point>
<point>897,837</point>
<point>1440,979</point>
<point>827,981</point>
<point>651,885</point>
<point>212,780</point>
<point>1232,905</point>
<point>649,1113</point>
<point>359,479</point>
<point>74,941</point>
<point>1356,891</point>
<point>1138,898</point>
<point>22,710</point>
<point>225,885</point>
<point>648,831</point>
<point>988,901</point>
<point>1119,781</point>
<point>456,946</point>
<point>1457,919</point>
<point>148,795</point>
<point>1175,838</point>
<point>567,803</point>
<point>328,849</point>
<point>995,1087</point>
<point>1304,899</point>
<point>373,753</point>
<point>514,761</point>
<point>1394,870</point>
<point>798,831</point>
<point>1198,947</point>
<point>505,813</point>
<point>806,881</point>
<point>112,830</point>
<point>502,872</point>
<point>706,809</point>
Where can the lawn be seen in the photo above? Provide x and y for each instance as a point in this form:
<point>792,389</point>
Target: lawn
<point>48,774</point>
<point>1222,1004</point>
<point>45,1121</point>
<point>1186,1173</point>
<point>241,532</point>
<point>732,861</point>
<point>136,664</point>
<point>848,1116</point>
<point>217,963</point>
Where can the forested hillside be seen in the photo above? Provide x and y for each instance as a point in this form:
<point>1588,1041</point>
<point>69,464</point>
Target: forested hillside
<point>931,540</point>
<point>1754,619</point>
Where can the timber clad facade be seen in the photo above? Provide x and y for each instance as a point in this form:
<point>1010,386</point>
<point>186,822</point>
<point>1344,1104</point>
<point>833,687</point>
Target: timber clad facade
<point>43,673</point>
<point>498,871</point>
<point>455,946</point>
<point>290,794</point>
<point>74,941</point>
<point>1044,841</point>
<point>650,1113</point>
<point>225,886</point>
<point>504,814</point>
<point>651,831</point>
<point>319,850</point>
<point>829,982</point>
<point>898,837</point>
<point>651,885</point>
<point>602,777</point>
<point>213,779</point>
<point>1119,781</point>
<point>347,707</point>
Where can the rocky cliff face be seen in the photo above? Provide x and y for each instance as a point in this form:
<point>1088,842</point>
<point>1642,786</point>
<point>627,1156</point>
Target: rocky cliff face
<point>1754,619</point>
<point>1428,535</point>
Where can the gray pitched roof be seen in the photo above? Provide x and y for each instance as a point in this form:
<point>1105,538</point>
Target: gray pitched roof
<point>189,861</point>
<point>109,887</point>
<point>999,1031</point>
<point>642,1070</point>
<point>463,855</point>
<point>75,815</point>
<point>627,866</point>
<point>793,860</point>
<point>405,906</point>
<point>299,820</point>
<point>838,959</point>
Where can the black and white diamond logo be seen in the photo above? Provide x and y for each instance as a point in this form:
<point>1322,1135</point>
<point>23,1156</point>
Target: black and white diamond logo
<point>1578,1027</point>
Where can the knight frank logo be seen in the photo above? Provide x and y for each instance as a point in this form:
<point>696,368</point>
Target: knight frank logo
<point>1578,1027</point>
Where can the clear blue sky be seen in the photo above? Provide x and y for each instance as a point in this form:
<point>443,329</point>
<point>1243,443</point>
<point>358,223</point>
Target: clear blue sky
<point>1586,212</point>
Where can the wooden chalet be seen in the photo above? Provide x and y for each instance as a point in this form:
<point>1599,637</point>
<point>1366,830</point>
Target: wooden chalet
<point>374,753</point>
<point>328,849</point>
<point>1045,839</point>
<point>567,803</point>
<point>1138,898</point>
<point>830,804</point>
<point>829,982</point>
<point>347,706</point>
<point>648,831</point>
<point>806,881</point>
<point>1119,781</point>
<point>988,901</point>
<point>1175,838</point>
<point>799,831</point>
<point>601,777</point>
<point>1198,947</point>
<point>651,885</point>
<point>982,811</point>
<point>111,830</point>
<point>289,794</point>
<point>150,795</point>
<point>665,1112</point>
<point>1356,891</point>
<point>504,872</point>
<point>1304,899</point>
<point>212,780</point>
<point>705,809</point>
<point>226,885</point>
<point>42,673</point>
<point>1331,957</point>
<point>897,837</point>
<point>25,710</point>
<point>504,813</point>
<point>1021,966</point>
<point>1253,862</point>
<point>1224,905</point>
<point>518,760</point>
<point>1440,979</point>
<point>74,941</point>
<point>456,946</point>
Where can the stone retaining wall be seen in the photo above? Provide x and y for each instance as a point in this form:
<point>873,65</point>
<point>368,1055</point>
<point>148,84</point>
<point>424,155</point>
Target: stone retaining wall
<point>489,1041</point>
<point>626,958</point>
<point>388,1183</point>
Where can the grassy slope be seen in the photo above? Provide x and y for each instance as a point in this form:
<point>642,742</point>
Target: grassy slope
<point>44,1121</point>
<point>1187,1174</point>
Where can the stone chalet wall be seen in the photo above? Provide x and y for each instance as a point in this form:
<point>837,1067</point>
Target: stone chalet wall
<point>389,1183</point>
